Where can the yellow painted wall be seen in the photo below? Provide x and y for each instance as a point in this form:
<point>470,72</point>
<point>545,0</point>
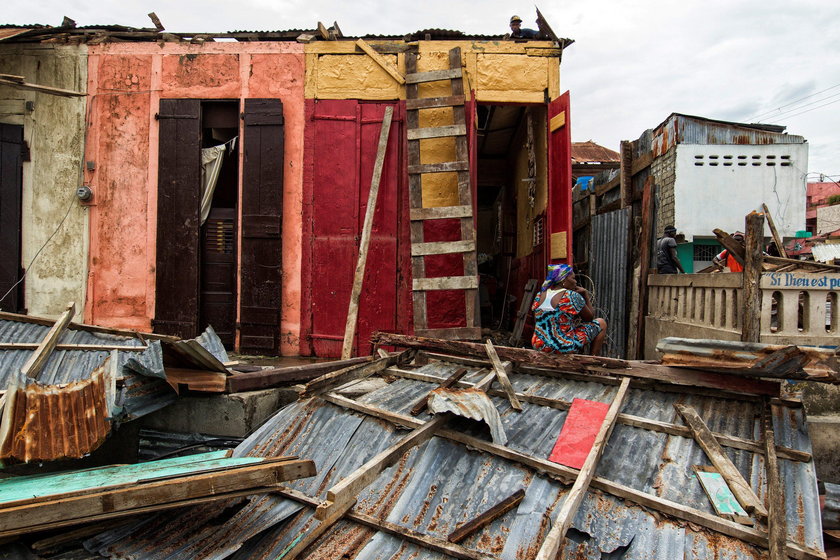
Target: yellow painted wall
<point>498,72</point>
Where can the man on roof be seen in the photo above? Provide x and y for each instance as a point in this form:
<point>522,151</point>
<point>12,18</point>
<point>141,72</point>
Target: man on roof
<point>519,32</point>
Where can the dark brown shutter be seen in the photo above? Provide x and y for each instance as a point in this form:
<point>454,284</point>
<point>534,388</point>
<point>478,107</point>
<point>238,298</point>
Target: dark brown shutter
<point>11,187</point>
<point>179,178</point>
<point>262,207</point>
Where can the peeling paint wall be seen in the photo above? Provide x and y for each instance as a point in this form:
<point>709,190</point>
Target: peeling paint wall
<point>526,213</point>
<point>54,130</point>
<point>126,84</point>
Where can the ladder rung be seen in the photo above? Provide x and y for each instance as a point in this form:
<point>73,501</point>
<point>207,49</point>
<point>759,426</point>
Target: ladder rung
<point>433,76</point>
<point>441,248</point>
<point>454,333</point>
<point>440,167</point>
<point>437,132</point>
<point>445,283</point>
<point>441,213</point>
<point>432,102</point>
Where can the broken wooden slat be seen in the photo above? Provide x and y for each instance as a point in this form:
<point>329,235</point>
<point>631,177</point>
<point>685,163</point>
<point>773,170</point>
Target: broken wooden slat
<point>441,248</point>
<point>266,378</point>
<point>704,437</point>
<point>780,245</point>
<point>440,213</point>
<point>437,132</point>
<point>39,357</point>
<point>735,249</point>
<point>434,102</point>
<point>196,379</point>
<point>454,333</point>
<point>502,374</point>
<point>444,167</point>
<point>433,76</point>
<point>342,496</point>
<point>351,373</point>
<point>573,499</point>
<point>776,513</point>
<point>364,243</point>
<point>323,31</point>
<point>383,62</point>
<point>445,283</point>
<point>662,505</point>
<point>446,383</point>
<point>486,517</point>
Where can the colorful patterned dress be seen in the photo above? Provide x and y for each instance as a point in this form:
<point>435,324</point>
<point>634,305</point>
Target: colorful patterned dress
<point>560,329</point>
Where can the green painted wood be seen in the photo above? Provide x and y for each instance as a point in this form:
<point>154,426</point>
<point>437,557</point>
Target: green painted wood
<point>37,486</point>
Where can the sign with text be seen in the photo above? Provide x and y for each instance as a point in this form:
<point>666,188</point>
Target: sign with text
<point>799,281</point>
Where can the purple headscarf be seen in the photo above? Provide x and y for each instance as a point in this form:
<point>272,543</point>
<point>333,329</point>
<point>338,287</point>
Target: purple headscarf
<point>556,274</point>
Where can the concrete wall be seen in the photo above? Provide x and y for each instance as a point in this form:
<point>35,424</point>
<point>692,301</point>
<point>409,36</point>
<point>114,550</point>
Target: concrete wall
<point>126,83</point>
<point>663,170</point>
<point>54,131</point>
<point>734,180</point>
<point>828,219</point>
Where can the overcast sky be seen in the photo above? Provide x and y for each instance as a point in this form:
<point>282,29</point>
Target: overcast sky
<point>632,64</point>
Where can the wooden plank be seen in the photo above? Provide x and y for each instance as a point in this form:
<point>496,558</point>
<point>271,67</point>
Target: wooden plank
<point>440,213</point>
<point>502,374</point>
<point>433,102</point>
<point>148,496</point>
<point>524,308</point>
<point>552,542</point>
<point>454,333</point>
<point>776,511</point>
<point>432,76</point>
<point>266,378</point>
<point>323,31</point>
<point>445,167</point>
<point>446,383</point>
<point>383,62</point>
<point>351,373</point>
<point>442,247</point>
<point>646,237</point>
<point>302,542</point>
<point>83,327</point>
<point>437,132</point>
<point>780,245</point>
<point>625,174</point>
<point>39,357</point>
<point>704,437</point>
<point>751,326</point>
<point>486,517</point>
<point>404,533</point>
<point>342,496</point>
<point>415,198</point>
<point>810,265</point>
<point>197,379</point>
<point>735,249</point>
<point>43,89</point>
<point>445,283</point>
<point>364,243</point>
<point>655,503</point>
<point>84,347</point>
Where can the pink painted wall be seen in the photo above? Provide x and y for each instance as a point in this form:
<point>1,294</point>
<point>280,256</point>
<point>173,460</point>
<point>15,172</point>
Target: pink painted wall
<point>125,85</point>
<point>817,195</point>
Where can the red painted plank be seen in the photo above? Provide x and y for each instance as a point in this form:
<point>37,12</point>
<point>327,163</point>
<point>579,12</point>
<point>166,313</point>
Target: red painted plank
<point>578,434</point>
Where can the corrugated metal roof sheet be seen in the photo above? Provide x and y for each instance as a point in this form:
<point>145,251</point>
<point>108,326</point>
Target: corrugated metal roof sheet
<point>825,252</point>
<point>587,152</point>
<point>440,484</point>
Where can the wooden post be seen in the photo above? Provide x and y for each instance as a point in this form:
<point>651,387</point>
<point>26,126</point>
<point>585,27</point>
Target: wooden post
<point>358,278</point>
<point>775,233</point>
<point>751,329</point>
<point>626,173</point>
<point>549,548</point>
<point>776,516</point>
<point>636,351</point>
<point>40,356</point>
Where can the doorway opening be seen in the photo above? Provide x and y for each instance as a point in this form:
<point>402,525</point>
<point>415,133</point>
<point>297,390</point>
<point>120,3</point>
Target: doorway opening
<point>511,208</point>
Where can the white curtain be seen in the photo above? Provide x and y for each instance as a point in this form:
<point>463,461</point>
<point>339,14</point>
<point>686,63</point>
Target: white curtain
<point>211,165</point>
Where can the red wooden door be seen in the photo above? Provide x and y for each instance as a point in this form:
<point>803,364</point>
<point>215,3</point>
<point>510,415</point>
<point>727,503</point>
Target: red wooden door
<point>559,211</point>
<point>262,210</point>
<point>341,146</point>
<point>11,186</point>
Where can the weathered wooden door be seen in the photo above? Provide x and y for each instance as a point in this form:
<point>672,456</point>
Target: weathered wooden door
<point>262,209</point>
<point>11,186</point>
<point>218,274</point>
<point>179,179</point>
<point>342,142</point>
<point>559,211</point>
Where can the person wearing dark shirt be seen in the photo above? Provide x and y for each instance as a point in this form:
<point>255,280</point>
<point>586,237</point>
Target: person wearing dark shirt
<point>667,261</point>
<point>518,32</point>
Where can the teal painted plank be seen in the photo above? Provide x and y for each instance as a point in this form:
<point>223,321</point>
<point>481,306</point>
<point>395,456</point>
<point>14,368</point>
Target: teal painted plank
<point>24,488</point>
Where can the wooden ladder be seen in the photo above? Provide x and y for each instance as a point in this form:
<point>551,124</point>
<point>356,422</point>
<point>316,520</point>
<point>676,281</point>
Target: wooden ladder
<point>466,246</point>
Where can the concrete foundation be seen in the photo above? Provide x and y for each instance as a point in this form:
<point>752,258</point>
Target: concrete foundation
<point>825,443</point>
<point>234,415</point>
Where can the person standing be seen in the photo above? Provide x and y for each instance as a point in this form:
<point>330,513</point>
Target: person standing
<point>667,261</point>
<point>725,260</point>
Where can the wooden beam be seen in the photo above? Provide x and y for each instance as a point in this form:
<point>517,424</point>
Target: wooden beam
<point>196,379</point>
<point>625,173</point>
<point>433,102</point>
<point>735,249</point>
<point>673,509</point>
<point>323,31</point>
<point>486,517</point>
<point>501,374</point>
<point>802,264</point>
<point>751,327</point>
<point>440,213</point>
<point>552,542</point>
<point>42,89</point>
<point>445,384</point>
<point>39,357</point>
<point>342,496</point>
<point>704,437</point>
<point>437,132</point>
<point>645,246</point>
<point>433,76</point>
<point>335,378</point>
<point>273,377</point>
<point>780,245</point>
<point>776,516</point>
<point>85,347</point>
<point>373,195</point>
<point>383,62</point>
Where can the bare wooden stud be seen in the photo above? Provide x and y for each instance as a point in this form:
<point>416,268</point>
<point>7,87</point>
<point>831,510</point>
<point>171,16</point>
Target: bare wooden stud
<point>383,62</point>
<point>780,245</point>
<point>776,515</point>
<point>502,374</point>
<point>486,517</point>
<point>39,357</point>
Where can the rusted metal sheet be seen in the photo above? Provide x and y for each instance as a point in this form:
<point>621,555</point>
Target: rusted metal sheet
<point>49,422</point>
<point>469,403</point>
<point>609,263</point>
<point>589,152</point>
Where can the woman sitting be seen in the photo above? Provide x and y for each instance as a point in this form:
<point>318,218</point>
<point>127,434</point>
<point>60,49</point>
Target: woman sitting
<point>564,315</point>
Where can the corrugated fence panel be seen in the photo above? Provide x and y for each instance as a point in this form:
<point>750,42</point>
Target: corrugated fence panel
<point>609,256</point>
